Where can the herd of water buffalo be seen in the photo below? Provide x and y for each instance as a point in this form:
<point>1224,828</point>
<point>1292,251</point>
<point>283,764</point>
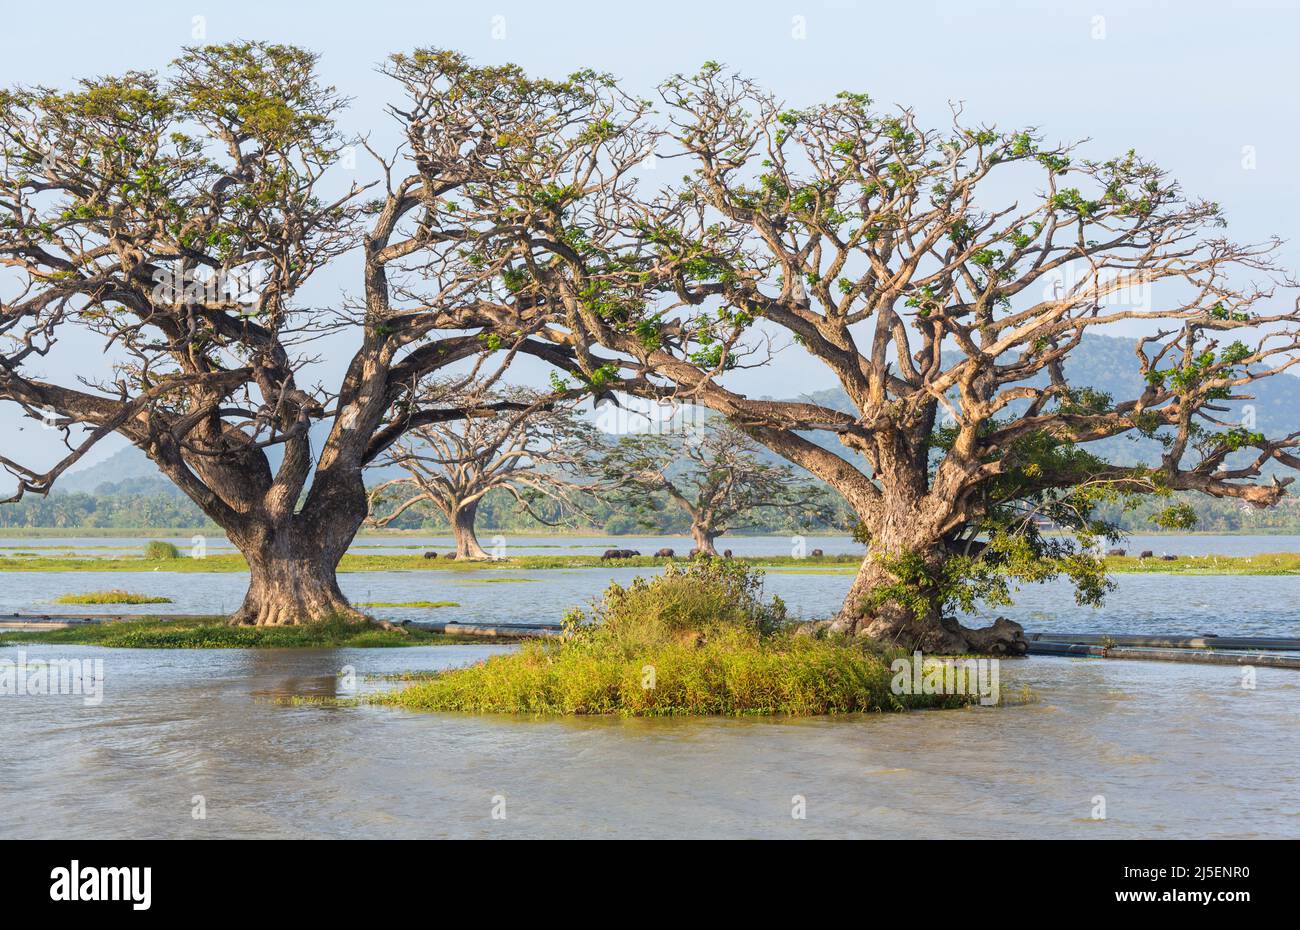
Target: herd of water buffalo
<point>611,554</point>
<point>1144,554</point>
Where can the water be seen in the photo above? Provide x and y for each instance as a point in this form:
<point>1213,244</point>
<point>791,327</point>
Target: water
<point>1262,605</point>
<point>1245,605</point>
<point>1175,750</point>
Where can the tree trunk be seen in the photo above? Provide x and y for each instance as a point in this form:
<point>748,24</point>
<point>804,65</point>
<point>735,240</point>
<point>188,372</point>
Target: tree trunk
<point>462,527</point>
<point>703,537</point>
<point>292,577</point>
<point>867,613</point>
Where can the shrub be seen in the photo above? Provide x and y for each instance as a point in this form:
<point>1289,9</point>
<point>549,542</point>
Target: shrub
<point>691,602</point>
<point>160,549</point>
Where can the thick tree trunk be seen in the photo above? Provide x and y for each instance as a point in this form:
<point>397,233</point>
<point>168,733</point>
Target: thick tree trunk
<point>292,574</point>
<point>290,590</point>
<point>703,537</point>
<point>866,612</point>
<point>462,527</point>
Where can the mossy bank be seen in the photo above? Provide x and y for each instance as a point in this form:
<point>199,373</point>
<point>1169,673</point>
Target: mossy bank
<point>213,633</point>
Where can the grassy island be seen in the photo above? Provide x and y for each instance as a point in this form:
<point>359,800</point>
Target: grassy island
<point>111,597</point>
<point>697,640</point>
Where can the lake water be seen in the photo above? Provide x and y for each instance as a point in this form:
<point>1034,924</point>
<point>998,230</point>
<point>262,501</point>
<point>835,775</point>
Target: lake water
<point>1241,604</point>
<point>107,547</point>
<point>1174,750</point>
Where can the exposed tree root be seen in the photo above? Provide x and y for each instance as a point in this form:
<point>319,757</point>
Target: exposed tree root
<point>943,636</point>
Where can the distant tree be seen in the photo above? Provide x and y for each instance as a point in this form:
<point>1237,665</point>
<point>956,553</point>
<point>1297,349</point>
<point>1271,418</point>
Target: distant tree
<point>535,452</point>
<point>714,474</point>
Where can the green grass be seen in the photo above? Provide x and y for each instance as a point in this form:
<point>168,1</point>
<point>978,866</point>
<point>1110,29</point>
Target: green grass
<point>1272,563</point>
<point>98,532</point>
<point>697,641</point>
<point>213,563</point>
<point>1278,563</point>
<point>778,675</point>
<point>421,604</point>
<point>353,562</point>
<point>212,633</point>
<point>111,597</point>
<point>19,550</point>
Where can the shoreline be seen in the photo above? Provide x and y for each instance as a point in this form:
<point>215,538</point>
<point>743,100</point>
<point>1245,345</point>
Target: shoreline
<point>1277,563</point>
<point>147,532</point>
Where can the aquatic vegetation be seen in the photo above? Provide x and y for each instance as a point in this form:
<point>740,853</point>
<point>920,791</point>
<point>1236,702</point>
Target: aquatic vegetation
<point>420,604</point>
<point>497,580</point>
<point>111,597</point>
<point>315,700</point>
<point>214,633</point>
<point>698,640</point>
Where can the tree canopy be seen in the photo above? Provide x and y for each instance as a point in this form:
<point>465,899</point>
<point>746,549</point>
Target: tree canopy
<point>942,276</point>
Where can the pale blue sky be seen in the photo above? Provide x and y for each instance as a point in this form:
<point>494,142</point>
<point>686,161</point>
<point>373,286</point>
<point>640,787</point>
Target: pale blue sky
<point>1188,84</point>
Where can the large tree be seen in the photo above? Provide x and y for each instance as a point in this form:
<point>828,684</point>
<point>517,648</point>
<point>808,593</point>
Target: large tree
<point>175,219</point>
<point>943,278</point>
<point>714,474</point>
<point>536,452</point>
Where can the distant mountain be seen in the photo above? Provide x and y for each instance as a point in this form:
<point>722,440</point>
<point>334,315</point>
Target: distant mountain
<point>130,466</point>
<point>125,465</point>
<point>1109,364</point>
